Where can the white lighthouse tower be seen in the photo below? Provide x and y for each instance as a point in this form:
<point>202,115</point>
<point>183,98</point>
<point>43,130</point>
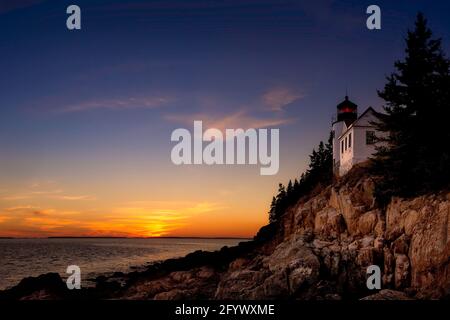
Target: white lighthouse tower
<point>347,113</point>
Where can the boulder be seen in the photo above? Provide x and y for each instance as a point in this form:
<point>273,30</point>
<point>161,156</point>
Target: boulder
<point>367,222</point>
<point>401,274</point>
<point>329,224</point>
<point>48,286</point>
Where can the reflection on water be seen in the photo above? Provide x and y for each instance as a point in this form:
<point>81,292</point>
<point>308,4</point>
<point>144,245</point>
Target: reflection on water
<point>20,258</point>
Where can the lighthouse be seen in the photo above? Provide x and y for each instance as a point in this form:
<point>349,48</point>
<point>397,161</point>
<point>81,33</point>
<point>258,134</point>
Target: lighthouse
<point>347,113</point>
<point>354,137</point>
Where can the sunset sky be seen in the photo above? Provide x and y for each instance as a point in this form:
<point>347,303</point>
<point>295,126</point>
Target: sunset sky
<point>86,116</point>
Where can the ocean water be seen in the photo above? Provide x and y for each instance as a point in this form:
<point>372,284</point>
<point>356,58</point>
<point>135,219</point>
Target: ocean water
<point>20,258</point>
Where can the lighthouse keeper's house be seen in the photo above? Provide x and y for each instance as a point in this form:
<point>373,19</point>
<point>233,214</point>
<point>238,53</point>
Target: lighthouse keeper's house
<point>353,136</point>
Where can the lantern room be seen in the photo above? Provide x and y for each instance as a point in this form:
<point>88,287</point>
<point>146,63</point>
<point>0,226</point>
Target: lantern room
<point>347,111</point>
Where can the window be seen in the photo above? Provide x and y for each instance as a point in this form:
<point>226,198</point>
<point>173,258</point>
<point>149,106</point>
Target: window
<point>342,146</point>
<point>370,137</point>
<point>350,140</point>
<point>345,143</point>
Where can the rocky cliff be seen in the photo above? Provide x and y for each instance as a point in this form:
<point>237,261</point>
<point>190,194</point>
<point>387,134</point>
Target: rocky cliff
<point>320,249</point>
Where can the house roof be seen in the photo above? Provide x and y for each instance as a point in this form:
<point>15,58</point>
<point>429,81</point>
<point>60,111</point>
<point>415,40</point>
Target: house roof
<point>355,123</point>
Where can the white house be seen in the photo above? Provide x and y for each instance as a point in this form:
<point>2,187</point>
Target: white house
<point>353,136</point>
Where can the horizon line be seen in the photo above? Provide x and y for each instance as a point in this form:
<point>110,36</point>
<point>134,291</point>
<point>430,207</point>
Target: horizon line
<point>113,237</point>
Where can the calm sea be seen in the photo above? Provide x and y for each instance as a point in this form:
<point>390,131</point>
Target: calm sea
<point>21,258</point>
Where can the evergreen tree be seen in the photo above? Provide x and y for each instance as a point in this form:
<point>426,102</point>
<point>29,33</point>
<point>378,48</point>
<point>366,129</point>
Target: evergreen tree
<point>415,154</point>
<point>281,192</point>
<point>295,184</point>
<point>320,171</point>
<point>272,211</point>
<point>290,188</point>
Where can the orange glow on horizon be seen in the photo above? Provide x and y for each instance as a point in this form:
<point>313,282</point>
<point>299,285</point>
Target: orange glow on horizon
<point>183,219</point>
<point>167,201</point>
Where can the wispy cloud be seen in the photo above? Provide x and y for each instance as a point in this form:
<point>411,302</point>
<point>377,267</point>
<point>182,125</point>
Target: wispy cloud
<point>238,119</point>
<point>48,195</point>
<point>42,184</point>
<point>33,192</point>
<point>34,189</point>
<point>4,218</point>
<point>42,212</point>
<point>29,210</point>
<point>168,211</point>
<point>140,218</point>
<point>74,198</point>
<point>276,99</point>
<point>16,197</point>
<point>154,219</point>
<point>20,208</point>
<point>46,192</point>
<point>118,104</point>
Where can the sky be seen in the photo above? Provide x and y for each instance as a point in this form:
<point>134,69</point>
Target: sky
<point>86,115</point>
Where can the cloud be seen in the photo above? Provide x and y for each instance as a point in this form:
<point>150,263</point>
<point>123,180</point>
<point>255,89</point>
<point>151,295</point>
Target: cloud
<point>276,99</point>
<point>42,190</point>
<point>239,119</point>
<point>4,218</point>
<point>118,104</point>
<point>72,198</point>
<point>52,194</point>
<point>20,208</point>
<point>42,184</point>
<point>43,212</point>
<point>139,218</point>
<point>167,210</point>
<point>16,197</point>
<point>49,192</point>
<point>29,210</point>
<point>153,218</point>
<point>45,223</point>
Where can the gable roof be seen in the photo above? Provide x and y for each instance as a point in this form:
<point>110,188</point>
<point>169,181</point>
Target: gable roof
<point>355,123</point>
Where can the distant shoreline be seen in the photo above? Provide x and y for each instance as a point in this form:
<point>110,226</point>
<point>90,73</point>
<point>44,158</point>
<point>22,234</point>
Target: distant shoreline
<point>69,237</point>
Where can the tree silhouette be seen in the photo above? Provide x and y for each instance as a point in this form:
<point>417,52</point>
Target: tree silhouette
<point>415,155</point>
<point>320,171</point>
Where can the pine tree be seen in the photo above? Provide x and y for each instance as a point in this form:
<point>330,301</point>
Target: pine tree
<point>281,192</point>
<point>290,188</point>
<point>320,171</point>
<point>296,186</point>
<point>272,211</point>
<point>415,154</point>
